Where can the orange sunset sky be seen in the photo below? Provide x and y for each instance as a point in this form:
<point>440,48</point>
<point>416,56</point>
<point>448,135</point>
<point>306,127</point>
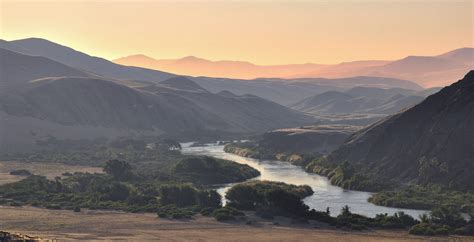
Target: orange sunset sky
<point>262,32</point>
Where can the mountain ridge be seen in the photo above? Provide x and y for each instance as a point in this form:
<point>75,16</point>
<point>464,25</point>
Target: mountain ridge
<point>428,143</point>
<point>451,63</point>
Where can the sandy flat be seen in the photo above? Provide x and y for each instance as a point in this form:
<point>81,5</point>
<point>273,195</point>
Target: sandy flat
<point>112,225</point>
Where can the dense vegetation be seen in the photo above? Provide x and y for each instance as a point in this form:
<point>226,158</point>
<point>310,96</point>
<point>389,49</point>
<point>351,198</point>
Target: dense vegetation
<point>208,170</point>
<point>151,158</point>
<point>120,188</point>
<point>429,197</point>
<point>346,175</point>
<point>147,177</point>
<point>96,152</point>
<point>426,196</point>
<point>269,199</point>
<point>175,187</point>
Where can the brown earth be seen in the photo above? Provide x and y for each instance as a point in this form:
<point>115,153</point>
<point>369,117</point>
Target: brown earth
<point>113,225</point>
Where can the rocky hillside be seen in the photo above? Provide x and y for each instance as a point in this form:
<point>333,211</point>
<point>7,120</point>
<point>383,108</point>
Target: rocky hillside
<point>433,142</point>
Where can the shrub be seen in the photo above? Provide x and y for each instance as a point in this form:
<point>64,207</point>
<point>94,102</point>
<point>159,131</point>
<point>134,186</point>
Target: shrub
<point>116,192</point>
<point>181,195</point>
<point>209,170</point>
<point>398,220</point>
<point>430,229</point>
<point>466,230</point>
<point>21,172</point>
<point>282,198</point>
<point>226,213</point>
<point>209,199</point>
<point>171,211</point>
<point>244,196</point>
<point>119,170</point>
<point>207,211</point>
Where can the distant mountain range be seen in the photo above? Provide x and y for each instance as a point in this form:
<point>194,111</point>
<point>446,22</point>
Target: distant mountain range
<point>195,66</point>
<point>42,98</point>
<point>427,71</point>
<point>282,91</point>
<point>429,143</point>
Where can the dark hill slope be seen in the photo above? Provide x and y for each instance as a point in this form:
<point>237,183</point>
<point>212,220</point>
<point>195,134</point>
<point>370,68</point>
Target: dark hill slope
<point>362,100</point>
<point>247,112</point>
<point>433,142</point>
<point>16,69</point>
<point>82,61</point>
<point>96,102</point>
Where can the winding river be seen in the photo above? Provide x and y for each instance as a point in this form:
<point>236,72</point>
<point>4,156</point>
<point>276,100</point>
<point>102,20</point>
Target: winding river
<point>325,195</point>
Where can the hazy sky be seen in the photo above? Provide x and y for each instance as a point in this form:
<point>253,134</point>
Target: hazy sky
<point>263,32</point>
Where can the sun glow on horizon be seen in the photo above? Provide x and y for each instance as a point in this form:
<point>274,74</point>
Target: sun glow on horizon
<point>280,32</point>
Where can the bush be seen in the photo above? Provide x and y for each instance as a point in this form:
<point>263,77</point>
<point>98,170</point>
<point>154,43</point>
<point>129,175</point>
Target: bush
<point>171,211</point>
<point>209,170</point>
<point>397,221</point>
<point>430,229</point>
<point>209,199</point>
<point>226,213</point>
<point>181,195</point>
<point>466,230</point>
<point>119,170</point>
<point>21,172</point>
<point>244,196</point>
<point>207,211</point>
<point>283,199</point>
<point>116,192</point>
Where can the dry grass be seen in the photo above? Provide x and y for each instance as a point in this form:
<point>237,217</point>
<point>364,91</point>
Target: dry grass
<point>48,169</point>
<point>111,225</point>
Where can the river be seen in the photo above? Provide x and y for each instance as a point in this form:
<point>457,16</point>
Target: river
<point>325,195</point>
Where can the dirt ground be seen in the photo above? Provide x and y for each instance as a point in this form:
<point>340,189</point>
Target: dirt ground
<point>48,169</point>
<point>112,225</point>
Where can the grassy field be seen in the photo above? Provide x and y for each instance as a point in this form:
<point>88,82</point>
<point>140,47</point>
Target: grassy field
<point>111,225</point>
<point>48,169</point>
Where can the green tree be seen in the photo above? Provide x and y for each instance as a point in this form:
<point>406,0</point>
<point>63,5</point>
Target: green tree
<point>209,199</point>
<point>119,170</point>
<point>243,196</point>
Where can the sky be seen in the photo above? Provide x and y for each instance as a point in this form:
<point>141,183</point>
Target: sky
<point>262,32</point>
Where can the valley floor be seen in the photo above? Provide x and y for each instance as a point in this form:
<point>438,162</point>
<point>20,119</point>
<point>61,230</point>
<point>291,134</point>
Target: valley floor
<point>48,169</point>
<point>111,225</point>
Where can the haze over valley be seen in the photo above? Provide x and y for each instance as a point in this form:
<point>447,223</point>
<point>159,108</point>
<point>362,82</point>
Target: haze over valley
<point>105,135</point>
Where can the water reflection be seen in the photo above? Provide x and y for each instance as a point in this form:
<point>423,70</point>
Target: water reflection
<point>325,195</point>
